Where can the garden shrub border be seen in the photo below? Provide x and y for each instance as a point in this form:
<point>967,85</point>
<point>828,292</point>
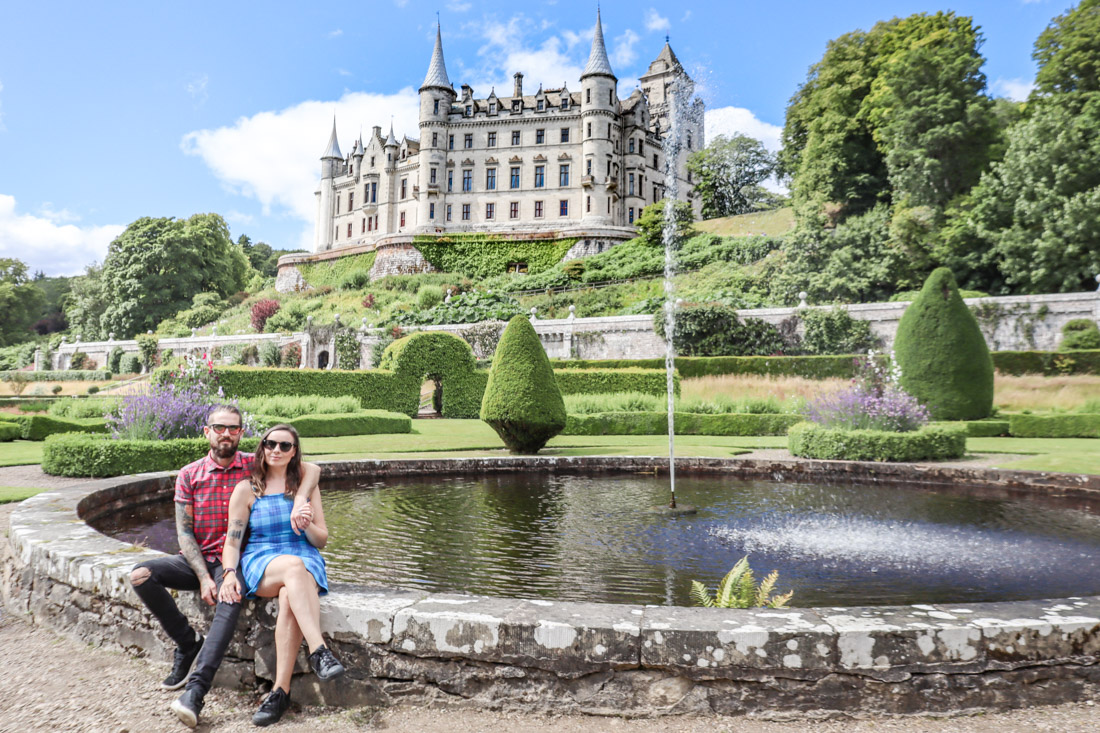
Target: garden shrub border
<point>99,456</point>
<point>686,423</point>
<point>443,357</point>
<point>9,431</point>
<point>1070,425</point>
<point>608,381</point>
<point>39,427</point>
<point>930,443</point>
<point>65,375</point>
<point>331,425</point>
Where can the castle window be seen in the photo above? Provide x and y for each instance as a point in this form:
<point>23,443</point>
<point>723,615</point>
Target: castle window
<point>374,193</point>
<point>563,175</point>
<point>611,96</point>
<point>656,198</point>
<point>492,140</point>
<point>608,204</point>
<point>518,268</point>
<point>492,108</point>
<point>465,212</point>
<point>468,141</point>
<point>363,226</point>
<point>490,210</point>
<point>435,139</point>
<point>491,179</point>
<point>641,147</point>
<point>431,211</point>
<point>376,221</point>
<point>515,177</point>
<point>349,230</point>
<point>351,200</point>
<point>389,157</point>
<point>541,105</point>
<point>538,209</point>
<point>434,171</point>
<point>632,145</point>
<point>609,131</point>
<point>469,110</point>
<point>450,142</point>
<point>689,176</point>
<point>540,137</point>
<point>448,212</point>
<point>515,137</point>
<point>588,133</point>
<point>565,134</point>
<point>372,161</point>
<point>516,105</point>
<point>402,219</point>
<point>513,210</point>
<point>435,106</point>
<point>588,96</point>
<point>370,223</point>
<point>654,160</point>
<point>366,193</point>
<point>630,214</point>
<point>630,185</point>
<point>468,180</point>
<point>588,167</point>
<point>337,204</point>
<point>588,203</point>
<point>404,187</point>
<point>563,207</point>
<point>450,180</point>
<point>540,176</point>
<point>565,102</point>
<point>689,141</point>
<point>337,233</point>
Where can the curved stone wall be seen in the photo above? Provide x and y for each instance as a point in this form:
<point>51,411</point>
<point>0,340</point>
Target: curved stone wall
<point>596,658</point>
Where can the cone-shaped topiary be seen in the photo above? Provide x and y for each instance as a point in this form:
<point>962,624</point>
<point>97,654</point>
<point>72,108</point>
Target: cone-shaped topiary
<point>943,357</point>
<point>522,401</point>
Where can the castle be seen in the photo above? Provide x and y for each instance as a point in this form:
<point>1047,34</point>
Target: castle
<point>556,163</point>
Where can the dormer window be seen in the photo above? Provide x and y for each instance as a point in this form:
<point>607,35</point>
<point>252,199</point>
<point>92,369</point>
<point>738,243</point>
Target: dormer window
<point>469,110</point>
<point>492,108</point>
<point>565,102</point>
<point>517,105</point>
<point>540,105</point>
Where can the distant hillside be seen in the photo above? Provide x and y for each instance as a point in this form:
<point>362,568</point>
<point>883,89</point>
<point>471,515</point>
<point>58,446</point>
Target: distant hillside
<point>775,222</point>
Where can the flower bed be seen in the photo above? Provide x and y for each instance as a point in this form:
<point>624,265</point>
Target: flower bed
<point>930,443</point>
<point>100,456</point>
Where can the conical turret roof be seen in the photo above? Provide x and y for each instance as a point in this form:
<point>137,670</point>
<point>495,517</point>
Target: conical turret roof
<point>597,59</point>
<point>437,69</point>
<point>391,140</point>
<point>332,150</point>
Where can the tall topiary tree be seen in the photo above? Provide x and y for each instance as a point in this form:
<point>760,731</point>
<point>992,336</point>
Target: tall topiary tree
<point>522,401</point>
<point>943,357</point>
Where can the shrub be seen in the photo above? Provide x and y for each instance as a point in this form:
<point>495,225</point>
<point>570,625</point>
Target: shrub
<point>77,408</point>
<point>835,332</point>
<point>483,337</point>
<point>1047,362</point>
<point>932,442</point>
<point>37,427</point>
<point>100,456</point>
<point>78,360</point>
<point>93,390</point>
<point>291,318</point>
<point>355,280</point>
<point>250,354</point>
<point>348,349</point>
<point>428,297</point>
<point>9,431</point>
<point>56,389</point>
<point>17,381</point>
<point>270,356</point>
<point>375,389</point>
<point>131,364</point>
<point>262,310</point>
<point>607,381</point>
<point>363,422</point>
<point>1080,333</point>
<point>147,346</point>
<point>522,402</point>
<point>472,307</point>
<point>738,589</point>
<point>286,406</point>
<point>291,355</point>
<point>714,329</point>
<point>442,357</point>
<point>1076,425</point>
<point>368,301</point>
<point>685,423</point>
<point>114,360</point>
<point>722,405</point>
<point>944,360</point>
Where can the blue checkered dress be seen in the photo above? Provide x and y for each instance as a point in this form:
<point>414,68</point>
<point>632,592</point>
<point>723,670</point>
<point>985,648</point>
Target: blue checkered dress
<point>271,536</point>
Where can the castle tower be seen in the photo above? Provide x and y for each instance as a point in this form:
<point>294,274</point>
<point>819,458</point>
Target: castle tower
<point>670,92</point>
<point>331,163</point>
<point>599,124</point>
<point>436,96</point>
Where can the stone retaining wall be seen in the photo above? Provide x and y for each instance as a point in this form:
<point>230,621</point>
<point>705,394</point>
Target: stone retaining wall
<point>596,658</point>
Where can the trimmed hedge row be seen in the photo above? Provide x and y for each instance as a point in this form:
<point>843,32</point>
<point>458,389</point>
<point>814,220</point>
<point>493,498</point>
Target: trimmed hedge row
<point>606,381</point>
<point>985,428</point>
<point>374,389</point>
<point>435,355</point>
<point>932,442</point>
<point>66,375</point>
<point>686,423</point>
<point>39,427</point>
<point>1048,363</point>
<point>98,456</point>
<point>1077,425</point>
<point>369,422</point>
<point>9,431</point>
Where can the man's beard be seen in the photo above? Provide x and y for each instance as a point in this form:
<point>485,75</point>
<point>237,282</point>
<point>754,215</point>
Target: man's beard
<point>224,450</point>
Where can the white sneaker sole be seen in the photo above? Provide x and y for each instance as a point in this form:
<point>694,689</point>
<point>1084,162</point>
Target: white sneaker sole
<point>186,716</point>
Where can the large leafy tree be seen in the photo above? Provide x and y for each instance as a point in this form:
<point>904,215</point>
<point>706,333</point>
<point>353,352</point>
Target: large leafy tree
<point>157,266</point>
<point>21,302</point>
<point>1068,52</point>
<point>728,173</point>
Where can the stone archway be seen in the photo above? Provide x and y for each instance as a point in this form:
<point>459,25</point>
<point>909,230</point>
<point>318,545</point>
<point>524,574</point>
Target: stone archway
<point>322,360</point>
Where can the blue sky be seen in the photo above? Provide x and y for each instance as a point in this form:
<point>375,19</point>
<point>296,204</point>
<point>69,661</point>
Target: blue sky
<point>116,110</point>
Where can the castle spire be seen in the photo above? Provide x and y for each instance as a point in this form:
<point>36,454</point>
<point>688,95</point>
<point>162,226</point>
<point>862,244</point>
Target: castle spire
<point>597,59</point>
<point>391,140</point>
<point>437,70</point>
<point>332,150</point>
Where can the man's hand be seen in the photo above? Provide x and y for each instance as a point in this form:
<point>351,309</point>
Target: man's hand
<point>231,589</point>
<point>208,590</point>
<point>301,515</point>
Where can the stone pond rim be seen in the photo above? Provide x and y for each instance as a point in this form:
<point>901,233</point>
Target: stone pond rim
<point>565,657</point>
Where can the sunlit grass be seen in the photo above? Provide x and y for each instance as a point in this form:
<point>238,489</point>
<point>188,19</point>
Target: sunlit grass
<point>1034,392</point>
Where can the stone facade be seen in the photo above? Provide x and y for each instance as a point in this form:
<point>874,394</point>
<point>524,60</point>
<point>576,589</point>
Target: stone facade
<point>604,659</point>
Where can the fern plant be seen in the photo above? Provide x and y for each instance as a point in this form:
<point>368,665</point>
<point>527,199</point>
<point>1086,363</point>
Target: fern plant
<point>739,590</point>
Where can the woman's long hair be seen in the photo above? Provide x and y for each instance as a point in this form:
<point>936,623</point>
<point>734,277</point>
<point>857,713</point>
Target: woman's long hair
<point>293,469</point>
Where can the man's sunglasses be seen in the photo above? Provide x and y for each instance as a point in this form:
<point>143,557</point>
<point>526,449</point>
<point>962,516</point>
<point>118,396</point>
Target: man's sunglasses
<point>231,429</point>
<point>284,445</point>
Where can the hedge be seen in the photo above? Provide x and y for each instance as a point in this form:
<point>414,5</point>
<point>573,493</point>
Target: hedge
<point>686,423</point>
<point>9,431</point>
<point>810,367</point>
<point>1076,425</point>
<point>932,442</point>
<point>606,381</point>
<point>99,456</point>
<point>435,355</point>
<point>375,389</point>
<point>1048,363</point>
<point>369,422</point>
<point>68,375</point>
<point>38,427</point>
<point>984,428</point>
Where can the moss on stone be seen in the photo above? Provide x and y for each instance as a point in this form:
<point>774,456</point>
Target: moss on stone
<point>944,360</point>
<point>522,401</point>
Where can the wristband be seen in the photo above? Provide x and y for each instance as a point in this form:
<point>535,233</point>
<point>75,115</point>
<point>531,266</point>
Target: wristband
<point>229,570</point>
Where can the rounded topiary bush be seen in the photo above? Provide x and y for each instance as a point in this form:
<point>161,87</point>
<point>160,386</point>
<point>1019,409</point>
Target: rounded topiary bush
<point>930,443</point>
<point>943,357</point>
<point>522,401</point>
<point>1080,333</point>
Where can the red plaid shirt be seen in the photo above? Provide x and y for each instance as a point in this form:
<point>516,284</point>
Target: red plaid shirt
<point>206,486</point>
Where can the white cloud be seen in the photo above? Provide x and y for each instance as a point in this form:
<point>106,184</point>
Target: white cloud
<point>238,217</point>
<point>1015,89</point>
<point>506,51</point>
<point>56,249</point>
<point>459,7</point>
<point>274,157</point>
<point>336,33</point>
<point>624,53</point>
<point>197,88</point>
<point>654,21</point>
<point>687,14</point>
<point>64,216</point>
<point>343,72</point>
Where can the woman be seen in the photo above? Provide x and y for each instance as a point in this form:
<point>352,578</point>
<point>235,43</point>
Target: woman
<point>279,560</point>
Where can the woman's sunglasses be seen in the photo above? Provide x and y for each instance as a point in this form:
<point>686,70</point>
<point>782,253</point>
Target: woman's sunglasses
<point>283,445</point>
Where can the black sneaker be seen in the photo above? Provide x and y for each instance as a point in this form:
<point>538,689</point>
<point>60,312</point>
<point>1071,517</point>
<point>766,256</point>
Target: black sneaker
<point>272,708</point>
<point>182,662</point>
<point>324,665</point>
<point>188,706</point>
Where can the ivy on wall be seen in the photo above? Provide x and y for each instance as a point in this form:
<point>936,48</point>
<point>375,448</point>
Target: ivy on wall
<point>484,255</point>
<point>338,272</point>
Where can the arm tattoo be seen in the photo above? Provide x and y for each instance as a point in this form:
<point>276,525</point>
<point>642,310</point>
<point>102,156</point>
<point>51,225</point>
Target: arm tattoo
<point>189,545</point>
<point>236,532</point>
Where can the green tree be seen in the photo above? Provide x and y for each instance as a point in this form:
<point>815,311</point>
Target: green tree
<point>21,302</point>
<point>651,224</point>
<point>728,173</point>
<point>85,304</point>
<point>155,267</point>
<point>1068,52</point>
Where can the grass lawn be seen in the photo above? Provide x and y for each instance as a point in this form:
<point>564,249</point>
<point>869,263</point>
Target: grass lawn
<point>17,493</point>
<point>20,453</point>
<point>775,222</point>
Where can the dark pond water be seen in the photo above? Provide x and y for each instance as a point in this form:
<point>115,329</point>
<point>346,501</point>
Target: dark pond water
<point>591,539</point>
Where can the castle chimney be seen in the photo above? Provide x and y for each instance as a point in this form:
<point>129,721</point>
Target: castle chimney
<point>518,91</point>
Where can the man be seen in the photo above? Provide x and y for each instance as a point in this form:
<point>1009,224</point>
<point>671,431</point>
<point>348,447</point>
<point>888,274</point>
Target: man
<point>202,496</point>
